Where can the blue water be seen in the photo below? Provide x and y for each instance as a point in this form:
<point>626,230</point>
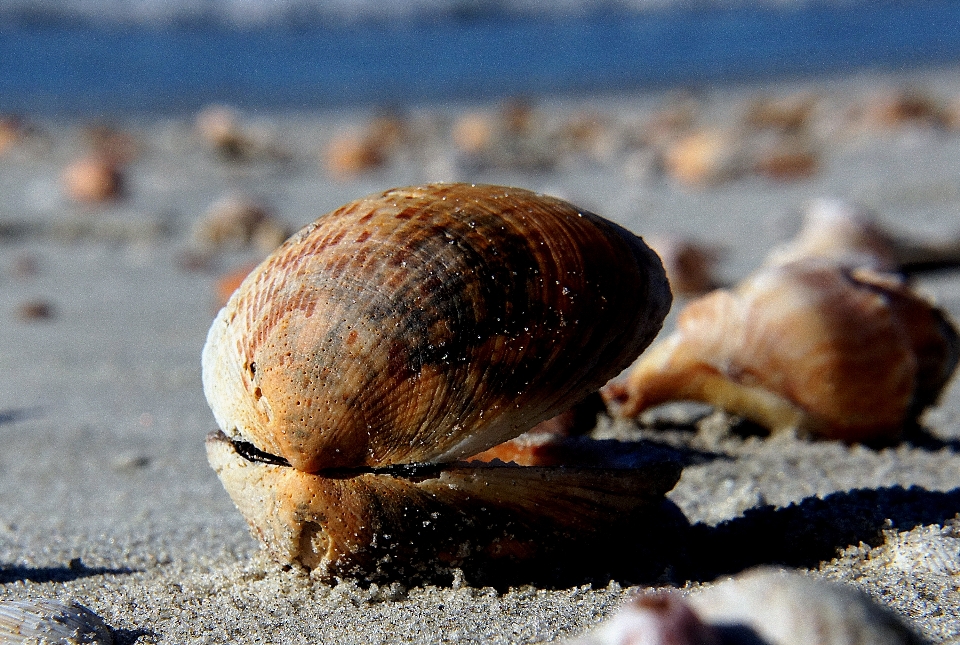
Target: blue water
<point>102,68</point>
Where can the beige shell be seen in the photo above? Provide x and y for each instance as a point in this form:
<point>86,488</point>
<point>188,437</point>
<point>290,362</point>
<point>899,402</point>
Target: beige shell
<point>421,325</point>
<point>841,353</point>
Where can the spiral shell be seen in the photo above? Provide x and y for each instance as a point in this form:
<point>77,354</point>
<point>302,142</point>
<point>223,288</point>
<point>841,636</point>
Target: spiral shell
<point>850,235</point>
<point>50,621</point>
<point>422,326</point>
<point>840,353</point>
<point>842,233</point>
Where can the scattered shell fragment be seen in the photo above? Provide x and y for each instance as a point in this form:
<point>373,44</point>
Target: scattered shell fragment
<point>230,282</point>
<point>901,107</point>
<point>93,179</point>
<point>219,127</point>
<point>788,158</point>
<point>11,131</point>
<point>225,131</point>
<point>51,621</point>
<point>786,113</point>
<point>659,618</point>
<point>35,310</point>
<point>237,221</point>
<point>839,353</point>
<point>115,144</point>
<point>705,157</point>
<point>690,265</point>
<point>405,331</point>
<point>768,606</point>
<point>353,152</point>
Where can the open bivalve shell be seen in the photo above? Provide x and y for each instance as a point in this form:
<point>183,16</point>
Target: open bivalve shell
<point>406,331</point>
<point>838,352</point>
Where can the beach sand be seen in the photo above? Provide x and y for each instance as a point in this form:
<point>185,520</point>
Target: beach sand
<point>105,493</point>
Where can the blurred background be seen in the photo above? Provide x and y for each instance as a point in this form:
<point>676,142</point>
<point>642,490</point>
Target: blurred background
<point>110,56</point>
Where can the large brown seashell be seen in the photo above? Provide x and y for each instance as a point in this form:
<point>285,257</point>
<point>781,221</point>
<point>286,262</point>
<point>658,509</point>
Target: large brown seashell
<point>841,353</point>
<point>408,330</point>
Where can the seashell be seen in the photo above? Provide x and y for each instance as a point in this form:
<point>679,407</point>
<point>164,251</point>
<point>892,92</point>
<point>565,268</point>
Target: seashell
<point>544,445</point>
<point>235,222</point>
<point>51,621</point>
<point>474,133</point>
<point>787,159</point>
<point>406,331</point>
<point>219,127</point>
<point>117,145</point>
<point>705,157</point>
<point>785,113</point>
<point>11,131</point>
<point>234,139</point>
<point>902,107</point>
<point>690,265</point>
<point>836,352</point>
<point>658,618</point>
<point>35,310</point>
<point>353,152</point>
<point>671,122</point>
<point>511,137</point>
<point>786,608</point>
<point>850,235</point>
<point>93,179</point>
<point>765,605</point>
<point>840,232</point>
<point>590,135</point>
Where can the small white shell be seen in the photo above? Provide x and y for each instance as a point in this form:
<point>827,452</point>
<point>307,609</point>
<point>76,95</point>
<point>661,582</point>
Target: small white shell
<point>786,608</point>
<point>51,621</point>
<point>766,605</point>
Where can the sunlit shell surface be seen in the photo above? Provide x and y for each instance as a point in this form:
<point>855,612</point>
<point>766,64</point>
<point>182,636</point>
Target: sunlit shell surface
<point>424,325</point>
<point>51,621</point>
<point>841,353</point>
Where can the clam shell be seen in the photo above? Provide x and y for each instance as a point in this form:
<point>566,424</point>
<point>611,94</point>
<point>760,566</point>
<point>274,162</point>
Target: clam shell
<point>428,324</point>
<point>51,621</point>
<point>420,519</point>
<point>842,353</point>
<point>406,331</point>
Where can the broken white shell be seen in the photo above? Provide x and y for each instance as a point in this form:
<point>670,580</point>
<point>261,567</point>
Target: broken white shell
<point>51,621</point>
